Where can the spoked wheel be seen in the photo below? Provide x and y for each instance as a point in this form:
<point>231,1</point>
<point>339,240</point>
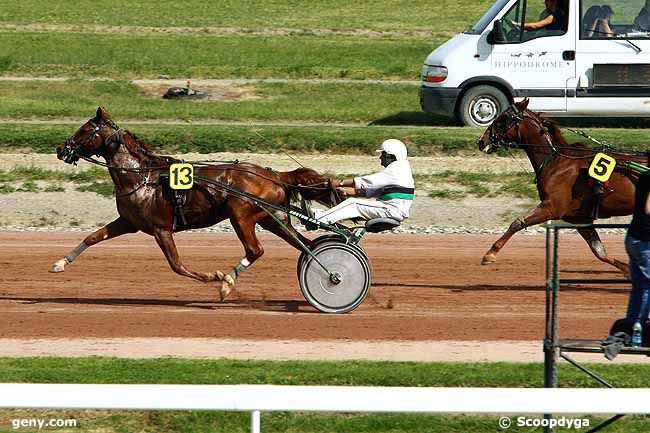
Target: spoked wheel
<point>345,286</point>
<point>322,240</point>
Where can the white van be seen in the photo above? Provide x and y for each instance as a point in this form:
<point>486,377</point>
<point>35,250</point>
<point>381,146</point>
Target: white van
<point>593,61</point>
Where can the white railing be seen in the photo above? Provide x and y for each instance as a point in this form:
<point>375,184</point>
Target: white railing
<point>269,398</point>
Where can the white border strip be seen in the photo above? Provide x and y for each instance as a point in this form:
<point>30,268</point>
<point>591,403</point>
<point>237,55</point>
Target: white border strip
<point>325,398</point>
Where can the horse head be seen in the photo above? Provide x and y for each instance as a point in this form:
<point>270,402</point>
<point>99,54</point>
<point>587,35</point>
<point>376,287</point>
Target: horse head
<point>311,185</point>
<point>91,139</point>
<point>505,129</point>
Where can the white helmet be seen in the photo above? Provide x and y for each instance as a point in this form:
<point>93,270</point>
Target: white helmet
<point>394,147</point>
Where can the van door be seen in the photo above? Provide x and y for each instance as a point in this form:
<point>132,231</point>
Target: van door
<point>612,59</point>
<point>538,63</point>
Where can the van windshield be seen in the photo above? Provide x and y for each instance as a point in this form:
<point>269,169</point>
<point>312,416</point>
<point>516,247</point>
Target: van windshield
<point>486,19</point>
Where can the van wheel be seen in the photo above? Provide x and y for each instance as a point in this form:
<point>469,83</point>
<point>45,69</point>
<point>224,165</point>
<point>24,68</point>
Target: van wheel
<point>480,105</point>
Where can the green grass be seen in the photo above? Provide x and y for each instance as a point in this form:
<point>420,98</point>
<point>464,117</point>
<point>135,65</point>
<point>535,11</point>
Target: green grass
<point>30,174</point>
<point>322,102</point>
<point>130,56</point>
<point>265,139</point>
<point>285,422</point>
<point>333,14</point>
<point>23,179</point>
<point>479,184</point>
<point>105,189</point>
<point>344,373</point>
<point>357,373</point>
<point>97,180</point>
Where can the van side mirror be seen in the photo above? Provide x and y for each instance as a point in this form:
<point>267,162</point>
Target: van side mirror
<point>496,36</point>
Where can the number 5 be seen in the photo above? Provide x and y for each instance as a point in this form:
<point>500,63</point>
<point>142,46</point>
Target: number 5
<point>602,167</point>
<point>181,176</point>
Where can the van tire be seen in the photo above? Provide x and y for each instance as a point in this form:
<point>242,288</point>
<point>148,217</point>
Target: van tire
<point>480,105</point>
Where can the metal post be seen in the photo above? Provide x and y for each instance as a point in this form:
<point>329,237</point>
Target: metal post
<point>551,332</point>
<point>256,421</point>
<point>555,299</point>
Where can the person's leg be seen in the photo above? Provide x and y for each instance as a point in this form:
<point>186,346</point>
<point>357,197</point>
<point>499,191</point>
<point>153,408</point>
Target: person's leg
<point>354,208</point>
<point>644,277</point>
<point>633,248</point>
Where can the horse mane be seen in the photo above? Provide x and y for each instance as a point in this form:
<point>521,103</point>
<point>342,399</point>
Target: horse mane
<point>135,145</point>
<point>556,132</point>
<point>304,181</point>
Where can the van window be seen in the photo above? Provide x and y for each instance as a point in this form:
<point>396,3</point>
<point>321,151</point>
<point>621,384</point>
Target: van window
<point>605,19</point>
<point>539,18</point>
<point>487,19</point>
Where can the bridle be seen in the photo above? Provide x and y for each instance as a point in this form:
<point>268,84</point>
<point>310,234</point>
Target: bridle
<point>514,118</point>
<point>72,151</point>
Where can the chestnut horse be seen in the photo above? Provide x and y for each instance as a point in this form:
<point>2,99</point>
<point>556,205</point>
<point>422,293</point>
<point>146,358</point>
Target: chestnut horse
<point>143,206</point>
<point>565,189</point>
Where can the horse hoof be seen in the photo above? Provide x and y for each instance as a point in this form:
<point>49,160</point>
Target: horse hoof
<point>226,287</point>
<point>58,266</point>
<point>488,259</point>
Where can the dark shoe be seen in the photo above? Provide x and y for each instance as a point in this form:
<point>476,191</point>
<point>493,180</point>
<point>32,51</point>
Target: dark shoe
<point>305,205</point>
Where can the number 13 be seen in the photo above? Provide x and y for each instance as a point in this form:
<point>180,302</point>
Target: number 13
<point>181,176</point>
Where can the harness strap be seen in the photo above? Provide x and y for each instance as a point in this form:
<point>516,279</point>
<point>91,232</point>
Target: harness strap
<point>541,167</point>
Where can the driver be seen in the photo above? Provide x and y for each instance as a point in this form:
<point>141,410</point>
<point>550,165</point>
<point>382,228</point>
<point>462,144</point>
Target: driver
<point>556,19</point>
<point>393,189</point>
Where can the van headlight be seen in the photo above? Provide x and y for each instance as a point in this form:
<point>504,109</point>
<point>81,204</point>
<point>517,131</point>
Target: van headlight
<point>434,74</point>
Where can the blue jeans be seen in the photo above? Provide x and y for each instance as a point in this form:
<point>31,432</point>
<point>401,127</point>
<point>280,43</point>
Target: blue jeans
<point>638,305</point>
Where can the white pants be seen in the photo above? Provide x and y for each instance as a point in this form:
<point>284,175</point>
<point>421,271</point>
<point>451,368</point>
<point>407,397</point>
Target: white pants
<point>358,208</point>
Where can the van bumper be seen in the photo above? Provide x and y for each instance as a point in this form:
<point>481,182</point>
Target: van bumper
<point>439,100</point>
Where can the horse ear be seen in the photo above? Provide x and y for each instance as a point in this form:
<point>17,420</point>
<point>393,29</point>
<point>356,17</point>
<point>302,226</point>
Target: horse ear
<point>523,105</point>
<point>102,114</point>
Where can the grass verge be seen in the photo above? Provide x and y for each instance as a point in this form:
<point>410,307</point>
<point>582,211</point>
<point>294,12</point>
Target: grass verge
<point>484,184</point>
<point>359,373</point>
<point>257,139</point>
<point>291,101</point>
<point>332,139</point>
<point>128,56</point>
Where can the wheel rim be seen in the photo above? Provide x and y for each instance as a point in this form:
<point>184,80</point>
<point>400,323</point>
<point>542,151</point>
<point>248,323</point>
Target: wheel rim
<point>330,239</point>
<point>483,110</point>
<point>324,294</point>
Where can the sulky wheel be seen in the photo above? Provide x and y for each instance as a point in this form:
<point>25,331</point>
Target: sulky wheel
<point>330,238</point>
<point>347,284</point>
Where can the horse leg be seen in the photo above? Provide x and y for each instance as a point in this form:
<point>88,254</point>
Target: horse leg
<point>539,215</point>
<point>111,230</point>
<point>245,229</point>
<point>165,240</point>
<point>593,240</point>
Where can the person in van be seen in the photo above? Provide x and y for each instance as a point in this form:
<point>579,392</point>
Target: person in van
<point>642,21</point>
<point>556,18</point>
<point>596,22</point>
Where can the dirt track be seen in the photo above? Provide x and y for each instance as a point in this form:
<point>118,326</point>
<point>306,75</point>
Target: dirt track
<point>425,287</point>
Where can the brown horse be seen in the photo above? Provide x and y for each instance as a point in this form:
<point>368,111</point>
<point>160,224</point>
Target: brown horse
<point>565,189</point>
<point>143,206</point>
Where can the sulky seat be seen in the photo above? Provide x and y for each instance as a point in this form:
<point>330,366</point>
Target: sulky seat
<point>377,225</point>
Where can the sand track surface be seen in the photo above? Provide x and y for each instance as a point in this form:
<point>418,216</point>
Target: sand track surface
<point>426,289</point>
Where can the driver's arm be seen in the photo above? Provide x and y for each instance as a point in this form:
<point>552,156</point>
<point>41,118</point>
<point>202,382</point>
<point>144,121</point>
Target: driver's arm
<point>539,24</point>
<point>346,187</point>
